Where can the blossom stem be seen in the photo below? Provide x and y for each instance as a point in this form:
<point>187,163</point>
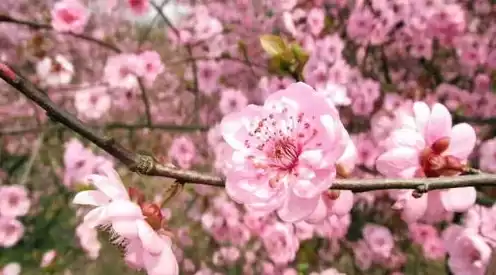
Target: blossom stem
<point>147,165</point>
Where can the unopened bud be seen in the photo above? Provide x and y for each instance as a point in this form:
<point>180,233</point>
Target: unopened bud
<point>436,162</point>
<point>333,194</point>
<point>454,163</point>
<point>441,145</point>
<point>153,215</point>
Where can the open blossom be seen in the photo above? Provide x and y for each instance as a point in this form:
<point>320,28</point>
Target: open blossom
<point>14,201</point>
<point>153,65</point>
<point>280,242</point>
<point>55,71</point>
<point>92,103</point>
<point>11,232</point>
<point>137,225</point>
<point>123,70</point>
<point>285,152</point>
<point>335,94</point>
<point>183,152</point>
<point>88,240</point>
<point>69,16</point>
<point>379,239</point>
<point>231,101</point>
<point>427,145</point>
<point>468,252</point>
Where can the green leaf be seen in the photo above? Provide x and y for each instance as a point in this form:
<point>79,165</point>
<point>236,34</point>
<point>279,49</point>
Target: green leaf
<point>272,44</point>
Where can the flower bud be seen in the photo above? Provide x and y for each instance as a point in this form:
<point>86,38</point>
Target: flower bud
<point>441,145</point>
<point>153,215</point>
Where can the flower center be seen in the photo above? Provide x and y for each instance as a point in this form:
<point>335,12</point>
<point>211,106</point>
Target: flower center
<point>284,153</point>
<point>436,164</point>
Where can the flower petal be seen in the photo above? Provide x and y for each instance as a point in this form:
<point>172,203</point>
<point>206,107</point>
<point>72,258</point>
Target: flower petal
<point>439,124</point>
<point>151,241</point>
<point>108,185</point>
<point>406,138</point>
<point>297,208</point>
<point>395,162</point>
<point>163,264</point>
<point>458,199</point>
<point>91,197</point>
<point>235,127</point>
<point>422,113</point>
<point>122,209</point>
<point>462,141</point>
<point>96,217</point>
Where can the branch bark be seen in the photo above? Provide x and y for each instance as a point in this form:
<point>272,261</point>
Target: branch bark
<point>148,165</point>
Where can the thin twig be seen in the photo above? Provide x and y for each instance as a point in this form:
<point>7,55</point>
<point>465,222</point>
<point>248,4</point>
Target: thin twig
<point>40,26</point>
<point>34,154</point>
<point>146,101</point>
<point>147,165</point>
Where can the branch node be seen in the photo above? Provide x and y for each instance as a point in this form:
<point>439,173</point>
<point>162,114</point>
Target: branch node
<point>143,164</point>
<point>420,190</point>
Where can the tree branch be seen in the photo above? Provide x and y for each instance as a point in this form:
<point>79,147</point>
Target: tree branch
<point>39,26</point>
<point>147,165</point>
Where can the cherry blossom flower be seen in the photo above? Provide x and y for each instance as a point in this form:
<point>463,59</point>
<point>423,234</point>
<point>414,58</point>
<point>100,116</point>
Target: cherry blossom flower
<point>69,16</point>
<point>92,103</point>
<point>55,71</point>
<point>11,232</point>
<point>14,201</point>
<point>285,152</point>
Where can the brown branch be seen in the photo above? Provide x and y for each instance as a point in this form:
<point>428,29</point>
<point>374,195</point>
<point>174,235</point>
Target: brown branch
<point>116,126</point>
<point>146,101</point>
<point>147,165</point>
<point>40,26</point>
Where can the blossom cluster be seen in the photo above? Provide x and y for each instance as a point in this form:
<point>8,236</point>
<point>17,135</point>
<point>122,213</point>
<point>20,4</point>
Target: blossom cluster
<point>342,89</point>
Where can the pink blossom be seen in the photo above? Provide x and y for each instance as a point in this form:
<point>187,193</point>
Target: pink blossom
<point>379,239</point>
<point>92,103</point>
<point>363,255</point>
<point>14,201</point>
<point>487,152</point>
<point>139,7</point>
<point>421,233</point>
<point>434,248</point>
<point>336,94</point>
<point>284,152</point>
<point>48,258</point>
<point>208,75</point>
<point>316,20</point>
<point>428,145</point>
<point>183,152</point>
<point>11,232</point>
<point>482,220</point>
<point>88,239</point>
<point>468,252</point>
<point>69,16</point>
<point>123,70</point>
<point>153,65</point>
<point>55,71</point>
<point>334,226</point>
<point>280,243</point>
<point>226,256</point>
<point>232,100</point>
<point>11,269</point>
<point>145,247</point>
<point>79,162</point>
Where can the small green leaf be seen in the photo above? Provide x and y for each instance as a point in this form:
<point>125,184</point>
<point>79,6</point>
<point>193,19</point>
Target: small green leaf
<point>272,44</point>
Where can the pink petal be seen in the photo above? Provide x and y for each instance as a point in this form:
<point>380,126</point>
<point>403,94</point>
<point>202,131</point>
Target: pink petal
<point>458,199</point>
<point>235,126</point>
<point>395,162</point>
<point>319,214</point>
<point>96,217</point>
<point>297,208</point>
<point>406,138</point>
<point>164,264</point>
<point>413,208</point>
<point>422,113</point>
<point>150,239</point>
<point>244,187</point>
<point>122,209</point>
<point>301,97</point>
<point>126,228</point>
<point>343,204</point>
<point>462,141</point>
<point>439,124</point>
<point>114,190</point>
<point>91,197</point>
<point>350,156</point>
